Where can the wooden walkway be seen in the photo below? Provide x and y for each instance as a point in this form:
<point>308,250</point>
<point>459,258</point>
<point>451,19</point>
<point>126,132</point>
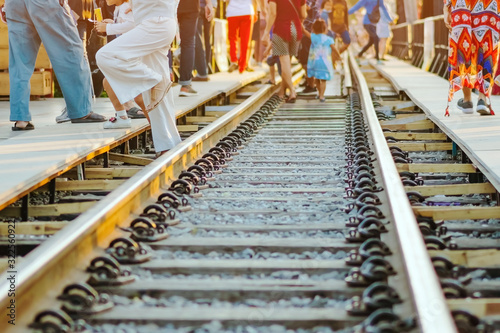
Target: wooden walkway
<point>27,158</point>
<point>478,136</point>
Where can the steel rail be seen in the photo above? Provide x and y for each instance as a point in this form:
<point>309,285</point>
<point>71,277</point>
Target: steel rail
<point>44,272</point>
<point>428,298</point>
<point>37,183</point>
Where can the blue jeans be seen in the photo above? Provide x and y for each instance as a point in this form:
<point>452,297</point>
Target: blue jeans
<point>187,29</point>
<point>203,50</point>
<point>31,22</point>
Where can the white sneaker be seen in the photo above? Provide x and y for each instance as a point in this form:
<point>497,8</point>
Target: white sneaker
<point>117,122</point>
<point>63,117</point>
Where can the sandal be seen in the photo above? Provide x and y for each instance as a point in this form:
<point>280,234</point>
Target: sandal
<point>90,118</point>
<point>28,127</point>
<point>133,113</point>
<point>158,92</point>
<point>291,100</point>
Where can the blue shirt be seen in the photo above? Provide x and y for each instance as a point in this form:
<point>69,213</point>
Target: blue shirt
<point>369,6</point>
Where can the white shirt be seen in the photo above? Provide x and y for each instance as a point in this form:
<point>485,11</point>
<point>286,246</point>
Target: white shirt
<point>239,8</point>
<point>123,21</point>
<point>146,9</point>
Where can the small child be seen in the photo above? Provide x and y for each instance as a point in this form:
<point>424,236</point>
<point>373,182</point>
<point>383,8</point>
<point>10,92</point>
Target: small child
<point>319,66</point>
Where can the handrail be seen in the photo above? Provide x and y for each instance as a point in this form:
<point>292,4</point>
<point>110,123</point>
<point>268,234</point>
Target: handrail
<point>430,303</point>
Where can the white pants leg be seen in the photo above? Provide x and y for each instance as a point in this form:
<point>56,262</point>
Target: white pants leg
<point>137,61</point>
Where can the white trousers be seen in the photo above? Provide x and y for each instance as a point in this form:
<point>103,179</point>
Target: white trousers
<point>134,63</point>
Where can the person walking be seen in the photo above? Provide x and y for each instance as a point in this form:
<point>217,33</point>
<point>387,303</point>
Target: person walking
<point>339,23</point>
<point>31,22</point>
<point>473,51</point>
<point>284,17</point>
<point>322,56</point>
<point>136,66</point>
<point>305,44</point>
<point>240,18</point>
<point>373,10</point>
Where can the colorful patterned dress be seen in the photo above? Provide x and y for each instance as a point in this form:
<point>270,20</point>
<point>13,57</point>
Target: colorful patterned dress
<point>473,45</point>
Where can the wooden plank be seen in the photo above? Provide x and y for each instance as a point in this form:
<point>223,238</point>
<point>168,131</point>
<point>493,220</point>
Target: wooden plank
<point>270,189</point>
<point>422,146</point>
<point>456,189</point>
<point>33,228</point>
<point>193,266</point>
<point>416,136</point>
<point>280,245</point>
<point>279,286</point>
<point>215,113</point>
<point>41,83</point>
<point>489,258</point>
<point>418,125</point>
<point>481,307</point>
<point>130,159</point>
<point>201,119</point>
<point>293,317</point>
<point>50,210</point>
<point>436,167</point>
<point>407,120</point>
<point>104,173</point>
<point>89,185</point>
<point>458,213</point>
<point>267,227</point>
<point>187,128</point>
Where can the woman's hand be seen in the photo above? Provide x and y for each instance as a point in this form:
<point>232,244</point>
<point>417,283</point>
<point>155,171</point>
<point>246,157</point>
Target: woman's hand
<point>447,17</point>
<point>265,39</point>
<point>100,26</point>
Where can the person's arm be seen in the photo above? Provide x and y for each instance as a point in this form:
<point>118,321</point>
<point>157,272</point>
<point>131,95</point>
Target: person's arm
<point>346,16</point>
<point>305,32</point>
<point>356,7</point>
<point>385,12</point>
<point>271,17</point>
<point>209,10</point>
<point>263,7</point>
<point>335,54</point>
<point>303,12</point>
<point>447,16</point>
<point>122,27</point>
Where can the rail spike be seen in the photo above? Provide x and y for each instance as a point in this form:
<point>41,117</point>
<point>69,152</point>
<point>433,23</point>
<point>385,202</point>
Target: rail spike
<point>52,321</point>
<point>128,251</point>
<point>106,271</point>
<point>83,299</point>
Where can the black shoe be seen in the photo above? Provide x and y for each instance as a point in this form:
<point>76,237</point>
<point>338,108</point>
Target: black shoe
<point>308,91</point>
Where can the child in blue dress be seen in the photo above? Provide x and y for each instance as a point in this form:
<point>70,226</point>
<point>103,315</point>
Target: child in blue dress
<point>322,56</point>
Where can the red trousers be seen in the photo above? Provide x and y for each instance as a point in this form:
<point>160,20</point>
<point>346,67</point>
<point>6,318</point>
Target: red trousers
<point>239,27</point>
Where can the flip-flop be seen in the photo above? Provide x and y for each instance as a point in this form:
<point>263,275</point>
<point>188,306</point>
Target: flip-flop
<point>133,113</point>
<point>28,127</point>
<point>90,118</point>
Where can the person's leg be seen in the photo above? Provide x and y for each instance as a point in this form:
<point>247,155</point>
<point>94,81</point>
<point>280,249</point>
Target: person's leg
<point>121,61</point>
<point>207,38</point>
<point>382,47</point>
<point>24,44</point>
<point>372,33</point>
<point>187,30</point>
<point>321,86</point>
<point>162,119</point>
<point>245,27</point>
<point>467,94</point>
<point>232,36</point>
<point>60,36</point>
<point>286,75</point>
<point>200,63</point>
<point>346,40</point>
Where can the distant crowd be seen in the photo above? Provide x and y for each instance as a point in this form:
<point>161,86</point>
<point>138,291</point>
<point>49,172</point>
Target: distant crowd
<point>125,48</point>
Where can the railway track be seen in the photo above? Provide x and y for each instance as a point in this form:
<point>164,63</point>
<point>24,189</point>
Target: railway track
<point>277,217</point>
